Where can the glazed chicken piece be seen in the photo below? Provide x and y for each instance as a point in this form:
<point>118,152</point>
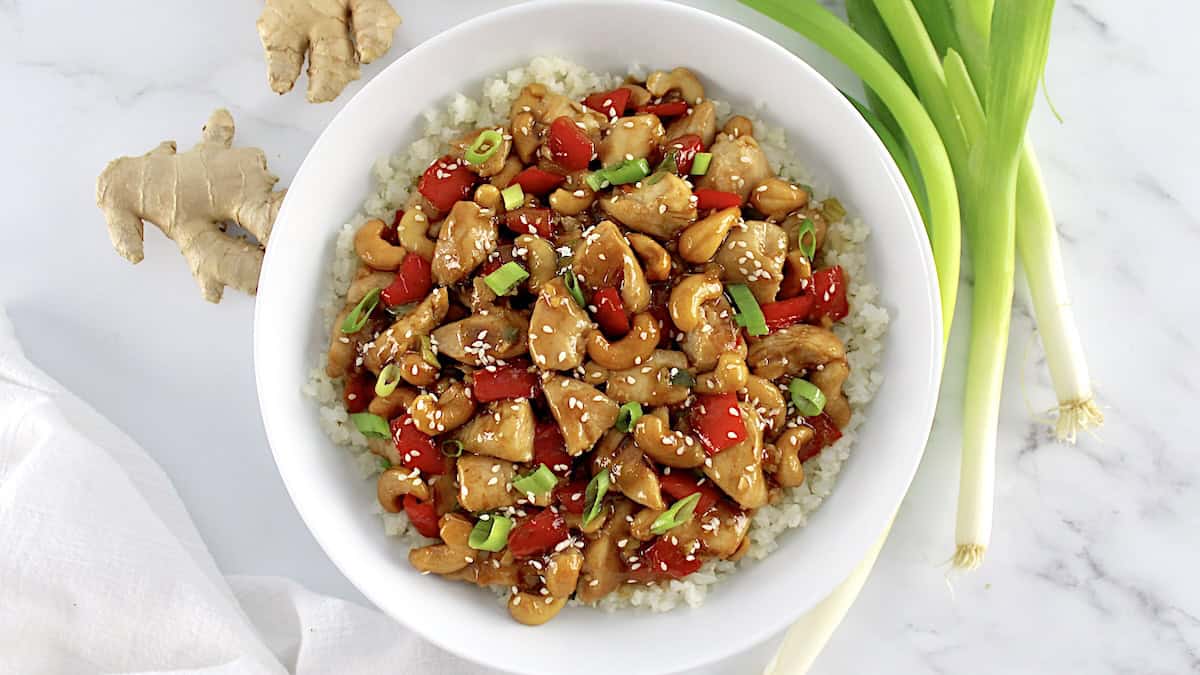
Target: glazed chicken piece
<point>484,483</point>
<point>655,382</point>
<point>482,338</point>
<point>406,333</point>
<point>738,165</point>
<point>503,429</point>
<point>793,351</point>
<point>468,236</point>
<point>753,254</point>
<point>660,209</point>
<point>632,138</point>
<point>702,122</point>
<point>631,474</point>
<point>603,570</point>
<point>716,335</point>
<point>604,257</point>
<point>557,328</point>
<point>738,469</point>
<point>582,412</point>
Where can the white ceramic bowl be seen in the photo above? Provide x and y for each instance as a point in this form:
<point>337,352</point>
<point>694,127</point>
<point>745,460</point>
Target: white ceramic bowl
<point>737,65</point>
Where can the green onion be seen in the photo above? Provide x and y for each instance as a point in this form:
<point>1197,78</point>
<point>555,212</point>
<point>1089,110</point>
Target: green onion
<point>628,415</point>
<point>427,353</point>
<point>668,165</point>
<point>593,497</point>
<point>514,197</point>
<point>899,155</point>
<point>679,513</point>
<point>389,378</point>
<point>682,378</point>
<point>597,180</point>
<point>700,163</point>
<point>370,424</point>
<point>537,482</point>
<point>807,229</point>
<point>485,145</point>
<point>749,314</point>
<point>357,318</point>
<point>506,278</point>
<point>807,398</point>
<point>628,171</point>
<point>384,464</point>
<point>452,448</point>
<point>572,284</point>
<point>490,533</point>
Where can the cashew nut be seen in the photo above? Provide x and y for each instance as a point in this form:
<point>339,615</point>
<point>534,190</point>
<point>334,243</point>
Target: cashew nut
<point>540,258</point>
<point>570,202</point>
<point>775,198</point>
<point>654,437</point>
<point>525,138</point>
<point>393,404</point>
<point>437,414</point>
<point>679,79</point>
<point>797,271</point>
<point>656,262</point>
<point>629,351</point>
<point>788,446</point>
<point>413,231</point>
<point>687,296</point>
<point>450,556</point>
<point>394,484</point>
<point>562,572</point>
<point>738,126</point>
<point>534,610</point>
<point>768,401</point>
<point>829,379</point>
<point>415,370</point>
<point>730,374</point>
<point>700,240</point>
<point>374,250</point>
<point>488,196</point>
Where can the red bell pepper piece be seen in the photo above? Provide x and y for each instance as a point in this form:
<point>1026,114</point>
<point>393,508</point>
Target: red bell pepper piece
<point>414,281</point>
<point>423,515</point>
<point>549,448</point>
<point>534,181</point>
<point>670,109</point>
<point>715,199</point>
<point>610,312</point>
<point>417,451</point>
<point>499,382</point>
<point>784,313</point>
<point>445,182</point>
<point>569,147</point>
<point>538,535</point>
<point>358,392</point>
<point>679,484</point>
<point>825,433</point>
<point>685,148</point>
<point>571,496</point>
<point>717,421</point>
<point>611,103</point>
<point>530,220</point>
<point>829,294</point>
<point>662,560</point>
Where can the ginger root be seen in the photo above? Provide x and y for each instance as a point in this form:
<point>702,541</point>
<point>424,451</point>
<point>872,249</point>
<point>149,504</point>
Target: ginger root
<point>323,28</point>
<point>190,196</point>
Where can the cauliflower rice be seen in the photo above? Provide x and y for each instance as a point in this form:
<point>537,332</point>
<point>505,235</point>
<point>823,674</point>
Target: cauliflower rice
<point>862,331</point>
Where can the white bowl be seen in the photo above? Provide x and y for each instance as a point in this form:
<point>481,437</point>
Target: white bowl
<point>737,65</point>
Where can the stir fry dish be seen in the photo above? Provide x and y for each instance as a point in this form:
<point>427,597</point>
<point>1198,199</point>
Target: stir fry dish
<point>592,343</point>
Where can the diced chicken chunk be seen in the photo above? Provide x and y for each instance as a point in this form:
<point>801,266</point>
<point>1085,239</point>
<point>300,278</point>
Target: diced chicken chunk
<point>484,483</point>
<point>631,138</point>
<point>649,383</point>
<point>467,237</point>
<point>582,412</point>
<point>406,332</point>
<point>603,257</point>
<point>753,254</point>
<point>557,328</point>
<point>738,470</point>
<point>793,350</point>
<point>482,338</point>
<point>660,209</point>
<point>629,470</point>
<point>738,165</point>
<point>503,429</point>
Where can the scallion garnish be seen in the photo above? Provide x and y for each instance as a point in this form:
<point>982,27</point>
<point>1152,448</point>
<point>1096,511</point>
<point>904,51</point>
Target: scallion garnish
<point>537,482</point>
<point>679,513</point>
<point>572,284</point>
<point>514,197</point>
<point>628,416</point>
<point>700,163</point>
<point>807,238</point>
<point>485,145</point>
<point>506,278</point>
<point>357,318</point>
<point>452,448</point>
<point>682,378</point>
<point>669,164</point>
<point>389,378</point>
<point>593,497</point>
<point>370,424</point>
<point>490,533</point>
<point>628,171</point>
<point>749,314</point>
<point>807,398</point>
<point>427,353</point>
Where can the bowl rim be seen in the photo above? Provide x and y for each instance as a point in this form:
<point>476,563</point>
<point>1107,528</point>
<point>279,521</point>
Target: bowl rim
<point>934,349</point>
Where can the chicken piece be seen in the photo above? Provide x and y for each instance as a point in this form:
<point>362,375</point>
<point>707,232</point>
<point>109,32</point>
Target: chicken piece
<point>753,254</point>
<point>603,257</point>
<point>385,448</point>
<point>558,328</point>
<point>793,351</point>
<point>488,570</point>
<point>406,332</point>
<point>484,483</point>
<point>717,334</point>
<point>738,165</point>
<point>467,237</point>
<point>603,569</point>
<point>345,348</point>
<point>536,107</point>
<point>503,429</point>
<point>829,378</point>
<point>649,384</point>
<point>632,138</point>
<point>494,164</point>
<point>702,122</point>
<point>738,469</point>
<point>582,412</point>
<point>482,338</point>
<point>629,470</point>
<point>659,210</point>
<point>722,528</point>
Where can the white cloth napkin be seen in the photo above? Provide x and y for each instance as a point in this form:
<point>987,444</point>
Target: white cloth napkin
<point>102,570</point>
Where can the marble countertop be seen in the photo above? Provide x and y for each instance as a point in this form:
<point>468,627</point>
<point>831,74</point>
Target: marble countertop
<point>1096,552</point>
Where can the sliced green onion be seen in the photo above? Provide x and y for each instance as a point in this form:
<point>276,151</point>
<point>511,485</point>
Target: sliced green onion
<point>572,284</point>
<point>537,482</point>
<point>593,497</point>
<point>514,197</point>
<point>807,398</point>
<point>628,416</point>
<point>490,533</point>
<point>679,513</point>
<point>357,318</point>
<point>809,247</point>
<point>629,171</point>
<point>389,378</point>
<point>700,163</point>
<point>452,448</point>
<point>370,424</point>
<point>485,145</point>
<point>750,314</point>
<point>669,164</point>
<point>427,352</point>
<point>682,378</point>
<point>401,310</point>
<point>597,181</point>
<point>506,278</point>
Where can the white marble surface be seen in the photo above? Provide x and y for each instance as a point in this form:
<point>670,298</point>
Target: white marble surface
<point>1096,549</point>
